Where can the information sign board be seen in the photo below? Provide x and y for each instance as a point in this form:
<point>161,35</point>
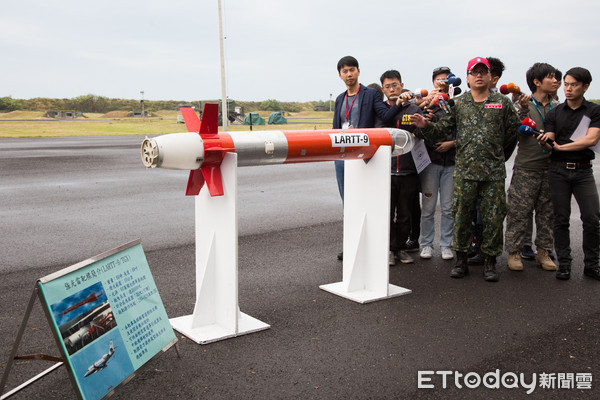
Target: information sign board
<point>108,318</point>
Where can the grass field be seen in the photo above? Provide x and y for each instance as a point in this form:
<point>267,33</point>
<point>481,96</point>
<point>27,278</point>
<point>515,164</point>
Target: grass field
<point>33,124</point>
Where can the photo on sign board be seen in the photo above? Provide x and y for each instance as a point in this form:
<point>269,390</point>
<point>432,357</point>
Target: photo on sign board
<point>83,317</point>
<point>102,365</point>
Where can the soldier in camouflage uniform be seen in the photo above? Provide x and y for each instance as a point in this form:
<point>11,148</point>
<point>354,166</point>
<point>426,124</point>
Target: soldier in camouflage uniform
<point>529,187</point>
<point>485,122</point>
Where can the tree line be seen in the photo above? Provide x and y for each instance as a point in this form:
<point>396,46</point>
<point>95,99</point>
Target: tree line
<point>99,104</point>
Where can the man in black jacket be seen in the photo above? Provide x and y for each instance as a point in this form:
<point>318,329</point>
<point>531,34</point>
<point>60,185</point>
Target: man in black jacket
<point>575,127</point>
<point>405,179</point>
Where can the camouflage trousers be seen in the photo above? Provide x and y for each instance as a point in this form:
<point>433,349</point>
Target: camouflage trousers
<point>529,191</point>
<point>492,208</point>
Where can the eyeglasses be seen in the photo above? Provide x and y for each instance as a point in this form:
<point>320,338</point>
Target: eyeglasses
<point>479,72</point>
<point>391,86</point>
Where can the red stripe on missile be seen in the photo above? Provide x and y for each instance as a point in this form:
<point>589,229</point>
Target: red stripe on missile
<point>204,157</point>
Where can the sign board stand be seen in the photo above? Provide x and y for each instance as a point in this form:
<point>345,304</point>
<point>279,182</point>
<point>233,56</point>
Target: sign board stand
<point>13,355</point>
<point>365,276</point>
<point>106,317</point>
<point>216,313</point>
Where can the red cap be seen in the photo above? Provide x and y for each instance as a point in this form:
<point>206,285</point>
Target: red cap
<point>477,60</point>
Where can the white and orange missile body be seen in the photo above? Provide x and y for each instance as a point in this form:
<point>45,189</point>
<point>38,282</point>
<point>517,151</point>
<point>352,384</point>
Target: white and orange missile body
<point>202,148</point>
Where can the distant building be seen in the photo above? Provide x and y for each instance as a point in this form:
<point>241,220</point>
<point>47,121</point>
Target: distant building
<point>63,114</point>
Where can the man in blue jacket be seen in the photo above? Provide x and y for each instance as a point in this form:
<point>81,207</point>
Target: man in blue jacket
<point>357,107</point>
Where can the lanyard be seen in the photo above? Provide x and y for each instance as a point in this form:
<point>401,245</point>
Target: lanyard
<point>349,110</point>
<point>534,101</point>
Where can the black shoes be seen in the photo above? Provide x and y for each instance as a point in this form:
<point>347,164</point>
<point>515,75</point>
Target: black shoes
<point>412,246</point>
<point>563,273</point>
<point>461,268</point>
<point>592,273</point>
<point>527,253</point>
<point>489,269</point>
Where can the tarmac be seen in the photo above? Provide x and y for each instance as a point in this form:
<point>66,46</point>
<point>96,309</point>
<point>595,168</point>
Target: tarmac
<point>322,346</point>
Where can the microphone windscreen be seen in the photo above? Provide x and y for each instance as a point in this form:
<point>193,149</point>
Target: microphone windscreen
<point>529,122</point>
<point>455,81</point>
<point>504,89</point>
<point>440,97</point>
<point>526,130</point>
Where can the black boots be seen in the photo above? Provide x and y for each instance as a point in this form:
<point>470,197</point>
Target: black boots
<point>461,267</point>
<point>478,257</point>
<point>563,273</point>
<point>489,269</point>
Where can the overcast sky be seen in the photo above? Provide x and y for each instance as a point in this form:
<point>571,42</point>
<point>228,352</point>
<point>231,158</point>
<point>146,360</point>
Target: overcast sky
<point>276,49</point>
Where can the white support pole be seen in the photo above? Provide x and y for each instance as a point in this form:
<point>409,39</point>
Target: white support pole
<point>367,231</point>
<point>224,111</point>
<point>216,314</point>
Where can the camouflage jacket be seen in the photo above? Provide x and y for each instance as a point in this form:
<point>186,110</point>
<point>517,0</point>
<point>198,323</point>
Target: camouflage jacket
<point>482,132</point>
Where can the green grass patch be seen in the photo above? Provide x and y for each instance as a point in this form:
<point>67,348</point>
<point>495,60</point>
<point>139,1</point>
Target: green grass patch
<point>36,126</point>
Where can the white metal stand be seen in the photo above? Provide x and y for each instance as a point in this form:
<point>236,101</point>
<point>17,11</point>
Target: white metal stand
<point>367,231</point>
<point>216,314</point>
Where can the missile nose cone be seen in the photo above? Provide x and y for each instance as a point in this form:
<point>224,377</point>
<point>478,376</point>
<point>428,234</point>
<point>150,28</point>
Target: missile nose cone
<point>403,140</point>
<point>149,153</point>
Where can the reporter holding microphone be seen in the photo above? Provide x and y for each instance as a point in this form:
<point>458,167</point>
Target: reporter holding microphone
<point>437,177</point>
<point>529,190</point>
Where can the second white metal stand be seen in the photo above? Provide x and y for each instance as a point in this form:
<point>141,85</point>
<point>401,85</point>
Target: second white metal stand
<point>367,231</point>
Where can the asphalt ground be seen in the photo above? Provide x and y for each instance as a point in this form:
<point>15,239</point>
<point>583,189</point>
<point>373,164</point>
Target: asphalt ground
<point>323,346</point>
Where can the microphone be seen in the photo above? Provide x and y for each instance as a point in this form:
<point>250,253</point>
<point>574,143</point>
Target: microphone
<point>529,131</point>
<point>457,91</point>
<point>510,88</point>
<point>513,88</point>
<point>529,122</point>
<point>419,93</point>
<point>452,80</point>
<point>440,97</point>
<point>441,101</point>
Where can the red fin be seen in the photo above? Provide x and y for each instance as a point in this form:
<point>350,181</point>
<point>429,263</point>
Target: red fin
<point>192,122</point>
<point>195,183</point>
<point>208,129</point>
<point>210,119</point>
<point>214,180</point>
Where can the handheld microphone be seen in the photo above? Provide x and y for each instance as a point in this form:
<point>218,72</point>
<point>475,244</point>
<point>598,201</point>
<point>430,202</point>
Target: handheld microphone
<point>457,91</point>
<point>452,80</point>
<point>529,122</point>
<point>529,131</point>
<point>510,88</point>
<point>443,104</point>
<point>441,101</point>
<point>420,93</point>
